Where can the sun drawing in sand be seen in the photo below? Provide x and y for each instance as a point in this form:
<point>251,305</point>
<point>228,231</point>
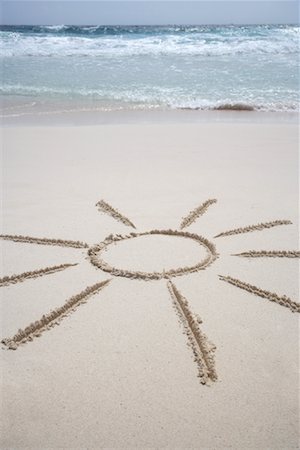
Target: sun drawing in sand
<point>203,350</point>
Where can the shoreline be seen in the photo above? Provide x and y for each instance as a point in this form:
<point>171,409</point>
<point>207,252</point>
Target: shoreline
<point>79,117</point>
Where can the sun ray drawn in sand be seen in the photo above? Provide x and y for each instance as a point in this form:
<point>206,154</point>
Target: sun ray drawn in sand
<point>5,281</point>
<point>203,350</point>
<point>53,318</point>
<point>269,254</point>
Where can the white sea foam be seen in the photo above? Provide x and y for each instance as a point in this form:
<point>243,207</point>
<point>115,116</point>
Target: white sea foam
<point>84,47</point>
<point>199,44</point>
<point>139,99</point>
<point>170,67</point>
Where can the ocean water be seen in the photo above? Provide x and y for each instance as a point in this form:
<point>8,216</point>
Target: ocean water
<point>170,67</point>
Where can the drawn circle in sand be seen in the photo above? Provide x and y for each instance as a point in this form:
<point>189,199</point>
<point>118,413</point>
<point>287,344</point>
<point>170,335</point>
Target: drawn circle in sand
<point>206,256</point>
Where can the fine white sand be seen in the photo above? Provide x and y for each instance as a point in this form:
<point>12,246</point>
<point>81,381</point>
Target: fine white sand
<point>117,371</point>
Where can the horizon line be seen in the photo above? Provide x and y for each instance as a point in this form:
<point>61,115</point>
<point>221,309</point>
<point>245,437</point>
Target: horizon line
<point>148,25</point>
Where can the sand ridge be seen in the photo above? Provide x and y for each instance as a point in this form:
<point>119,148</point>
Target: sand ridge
<point>53,318</point>
<point>203,350</point>
<point>94,251</point>
<point>195,213</point>
<point>270,254</point>
<point>106,208</point>
<point>273,297</point>
<point>257,227</point>
<point>5,281</point>
<point>44,241</point>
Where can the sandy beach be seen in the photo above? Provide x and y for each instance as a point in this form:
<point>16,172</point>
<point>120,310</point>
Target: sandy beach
<point>204,354</point>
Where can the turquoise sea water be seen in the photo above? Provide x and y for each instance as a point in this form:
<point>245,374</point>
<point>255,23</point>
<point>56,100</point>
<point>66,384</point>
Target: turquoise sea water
<point>195,67</point>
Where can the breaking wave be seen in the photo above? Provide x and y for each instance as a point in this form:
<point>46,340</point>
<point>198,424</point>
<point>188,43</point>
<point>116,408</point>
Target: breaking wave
<point>105,99</point>
<point>239,68</point>
<point>62,40</point>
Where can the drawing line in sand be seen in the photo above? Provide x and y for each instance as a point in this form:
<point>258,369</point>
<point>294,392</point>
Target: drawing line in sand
<point>106,208</point>
<point>195,213</point>
<point>13,279</point>
<point>269,254</point>
<point>258,227</point>
<point>44,241</point>
<point>203,350</point>
<point>53,318</point>
<point>95,251</point>
<point>273,297</point>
